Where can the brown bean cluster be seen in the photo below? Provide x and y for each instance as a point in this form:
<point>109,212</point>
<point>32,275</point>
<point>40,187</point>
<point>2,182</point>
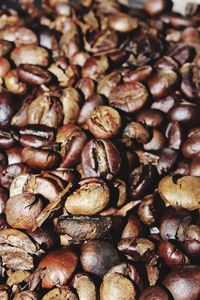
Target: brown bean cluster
<point>99,151</point>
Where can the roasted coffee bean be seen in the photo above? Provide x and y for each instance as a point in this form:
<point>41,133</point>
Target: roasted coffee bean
<point>152,118</point>
<point>185,113</point>
<point>14,155</point>
<point>191,243</point>
<point>72,140</point>
<point>71,105</point>
<point>182,53</point>
<point>195,166</point>
<point>4,292</point>
<point>104,122</point>
<point>166,62</point>
<point>12,171</point>
<point>97,257</point>
<point>34,75</point>
<point>3,199</point>
<point>140,74</point>
<point>171,255</point>
<point>80,282</point>
<point>128,97</point>
<point>154,292</point>
<point>45,110</point>
<point>156,7</point>
<point>30,54</point>
<point>5,47</point>
<point>182,191</point>
<point>22,210</point>
<point>137,249</point>
<point>40,159</point>
<point>191,147</point>
<point>19,35</point>
<point>88,107</point>
<point>8,137</point>
<point>162,82</point>
<point>58,267</point>
<point>115,286</point>
<point>13,83</point>
<point>83,228</point>
<point>133,228</point>
<point>27,295</point>
<point>122,23</point>
<point>183,282</point>
<point>166,103</point>
<point>190,81</point>
<point>148,210</point>
<point>107,83</point>
<point>63,293</point>
<point>91,197</point>
<point>121,191</point>
<point>44,237</point>
<point>135,131</point>
<point>142,181</point>
<point>4,67</point>
<point>171,228</point>
<point>100,158</point>
<point>7,108</point>
<point>175,135</point>
<point>157,141</point>
<point>95,67</point>
<point>87,86</point>
<point>36,136</point>
<point>167,160</point>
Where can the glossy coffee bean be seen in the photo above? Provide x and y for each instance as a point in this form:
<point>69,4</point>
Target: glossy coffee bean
<point>104,122</point>
<point>123,23</point>
<point>128,97</point>
<point>90,197</point>
<point>195,166</point>
<point>7,108</point>
<point>191,147</point>
<point>171,255</point>
<point>154,292</point>
<point>185,113</point>
<point>100,158</point>
<point>58,267</point>
<point>97,257</point>
<point>156,7</point>
<point>152,118</point>
<point>140,74</point>
<point>34,74</point>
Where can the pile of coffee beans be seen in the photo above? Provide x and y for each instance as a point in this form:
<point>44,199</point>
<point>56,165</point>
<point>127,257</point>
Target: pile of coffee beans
<point>99,151</point>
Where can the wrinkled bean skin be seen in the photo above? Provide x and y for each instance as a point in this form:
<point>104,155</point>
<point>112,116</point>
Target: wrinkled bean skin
<point>99,150</point>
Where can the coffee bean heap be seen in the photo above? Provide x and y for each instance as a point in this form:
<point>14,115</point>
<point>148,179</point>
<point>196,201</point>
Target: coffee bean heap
<point>99,151</point>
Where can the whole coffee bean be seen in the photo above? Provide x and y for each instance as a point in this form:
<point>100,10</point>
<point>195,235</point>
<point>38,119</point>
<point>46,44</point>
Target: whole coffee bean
<point>191,147</point>
<point>182,53</point>
<point>22,210</point>
<point>135,131</point>
<point>88,107</point>
<point>195,166</point>
<point>97,257</point>
<point>40,159</point>
<point>140,74</point>
<point>171,255</point>
<point>156,7</point>
<point>116,286</point>
<point>183,282</point>
<point>166,62</point>
<point>90,197</point>
<point>44,237</point>
<point>162,82</point>
<point>100,158</point>
<point>79,58</point>
<point>34,75</point>
<point>26,295</point>
<point>122,22</point>
<point>191,244</point>
<point>175,135</point>
<point>157,141</point>
<point>151,117</point>
<point>182,168</point>
<point>36,135</point>
<point>87,86</point>
<point>58,267</point>
<point>71,105</point>
<point>83,228</point>
<point>133,228</point>
<point>104,122</point>
<point>13,83</point>
<point>167,161</point>
<point>148,210</point>
<point>84,286</point>
<point>182,191</point>
<point>107,83</point>
<point>120,188</point>
<point>7,108</point>
<point>30,54</point>
<point>69,175</point>
<point>128,97</point>
<point>72,140</point>
<point>5,47</point>
<point>62,293</point>
<point>19,35</point>
<point>154,293</point>
<point>190,86</point>
<point>142,181</point>
<point>185,113</point>
<point>45,110</point>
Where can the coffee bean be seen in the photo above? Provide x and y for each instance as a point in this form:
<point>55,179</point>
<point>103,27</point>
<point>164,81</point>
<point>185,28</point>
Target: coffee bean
<point>154,292</point>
